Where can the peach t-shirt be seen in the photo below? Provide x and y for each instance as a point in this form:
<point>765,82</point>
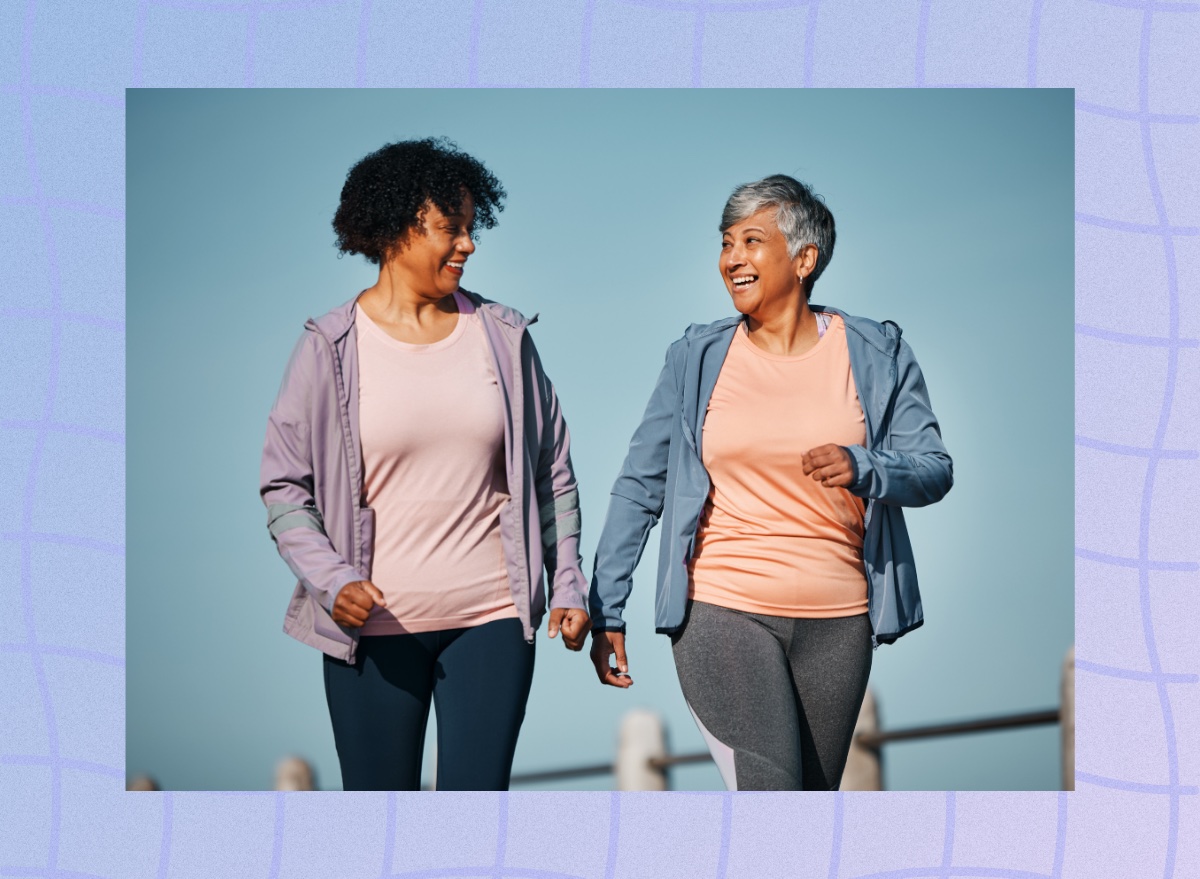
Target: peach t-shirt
<point>432,425</point>
<point>772,540</point>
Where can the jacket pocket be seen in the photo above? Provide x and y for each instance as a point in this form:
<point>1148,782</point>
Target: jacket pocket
<point>688,436</point>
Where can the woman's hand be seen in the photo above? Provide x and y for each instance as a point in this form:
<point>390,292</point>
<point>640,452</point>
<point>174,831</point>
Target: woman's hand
<point>574,624</point>
<point>829,465</point>
<point>355,601</point>
<point>604,645</point>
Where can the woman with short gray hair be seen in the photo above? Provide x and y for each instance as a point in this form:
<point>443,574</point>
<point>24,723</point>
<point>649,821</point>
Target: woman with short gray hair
<point>778,447</point>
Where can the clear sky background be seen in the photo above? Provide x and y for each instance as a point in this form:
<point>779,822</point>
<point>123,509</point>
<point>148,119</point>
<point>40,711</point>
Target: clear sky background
<point>954,213</point>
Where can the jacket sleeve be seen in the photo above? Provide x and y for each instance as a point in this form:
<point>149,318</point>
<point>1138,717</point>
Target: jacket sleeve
<point>912,468</point>
<point>287,483</point>
<point>558,497</point>
<point>635,505</point>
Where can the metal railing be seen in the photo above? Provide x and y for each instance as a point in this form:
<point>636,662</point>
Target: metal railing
<point>643,762</point>
<point>1032,718</point>
<point>870,741</point>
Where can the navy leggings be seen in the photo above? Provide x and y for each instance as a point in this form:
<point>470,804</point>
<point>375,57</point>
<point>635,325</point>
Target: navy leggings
<point>478,682</point>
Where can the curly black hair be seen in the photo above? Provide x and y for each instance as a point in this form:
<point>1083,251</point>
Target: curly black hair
<point>387,191</point>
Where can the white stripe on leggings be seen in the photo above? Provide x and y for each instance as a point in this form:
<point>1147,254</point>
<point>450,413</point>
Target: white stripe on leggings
<point>722,754</point>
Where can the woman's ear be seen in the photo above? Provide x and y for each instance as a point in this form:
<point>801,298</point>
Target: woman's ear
<point>806,261</point>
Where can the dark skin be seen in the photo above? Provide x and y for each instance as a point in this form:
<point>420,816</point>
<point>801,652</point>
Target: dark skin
<point>413,301</point>
<point>766,285</point>
<point>829,465</point>
<point>356,601</point>
<point>605,646</point>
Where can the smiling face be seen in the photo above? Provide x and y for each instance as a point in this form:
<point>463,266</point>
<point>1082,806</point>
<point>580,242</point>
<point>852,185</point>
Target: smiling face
<point>758,273</point>
<point>431,261</point>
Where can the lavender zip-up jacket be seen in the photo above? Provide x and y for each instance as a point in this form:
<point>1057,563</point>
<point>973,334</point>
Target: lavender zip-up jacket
<point>312,477</point>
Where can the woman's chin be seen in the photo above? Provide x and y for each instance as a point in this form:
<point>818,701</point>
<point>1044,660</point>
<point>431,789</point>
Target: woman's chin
<point>743,304</point>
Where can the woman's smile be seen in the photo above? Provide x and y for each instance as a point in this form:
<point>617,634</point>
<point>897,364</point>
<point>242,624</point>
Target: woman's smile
<point>755,265</point>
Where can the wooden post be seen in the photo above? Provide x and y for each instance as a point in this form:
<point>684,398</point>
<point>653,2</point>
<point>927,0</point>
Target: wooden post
<point>1066,714</point>
<point>293,773</point>
<point>640,740</point>
<point>862,766</point>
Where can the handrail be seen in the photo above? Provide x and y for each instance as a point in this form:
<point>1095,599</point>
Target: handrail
<point>1032,718</point>
<point>867,740</point>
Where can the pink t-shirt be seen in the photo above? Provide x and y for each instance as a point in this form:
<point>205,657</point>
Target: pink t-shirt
<point>432,425</point>
<point>772,540</point>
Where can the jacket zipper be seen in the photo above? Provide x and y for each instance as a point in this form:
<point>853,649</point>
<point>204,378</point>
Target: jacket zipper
<point>882,416</point>
<point>344,418</point>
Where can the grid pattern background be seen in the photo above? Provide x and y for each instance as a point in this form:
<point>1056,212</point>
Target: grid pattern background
<point>63,68</point>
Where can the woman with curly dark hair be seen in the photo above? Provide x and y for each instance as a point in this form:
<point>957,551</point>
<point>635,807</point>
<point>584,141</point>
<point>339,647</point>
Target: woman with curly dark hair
<point>417,477</point>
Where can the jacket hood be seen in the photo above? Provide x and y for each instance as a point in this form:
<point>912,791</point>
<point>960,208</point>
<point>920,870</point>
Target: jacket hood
<point>696,331</point>
<point>883,336</point>
<point>502,313</point>
<point>335,323</point>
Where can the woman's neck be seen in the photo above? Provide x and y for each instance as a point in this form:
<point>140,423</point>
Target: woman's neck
<point>788,331</point>
<point>393,301</point>
<point>406,314</point>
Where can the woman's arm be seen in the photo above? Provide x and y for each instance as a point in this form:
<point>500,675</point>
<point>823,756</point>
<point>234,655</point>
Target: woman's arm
<point>915,469</point>
<point>634,509</point>
<point>287,480</point>
<point>558,512</point>
<point>636,502</point>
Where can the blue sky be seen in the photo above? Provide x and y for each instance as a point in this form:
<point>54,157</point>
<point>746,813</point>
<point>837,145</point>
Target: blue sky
<point>954,214</point>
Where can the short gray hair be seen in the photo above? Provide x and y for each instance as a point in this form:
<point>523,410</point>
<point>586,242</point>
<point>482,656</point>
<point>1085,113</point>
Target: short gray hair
<point>801,215</point>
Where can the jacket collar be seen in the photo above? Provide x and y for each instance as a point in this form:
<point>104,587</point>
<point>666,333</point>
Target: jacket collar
<point>335,324</point>
<point>884,337</point>
<point>502,313</point>
<point>698,331</point>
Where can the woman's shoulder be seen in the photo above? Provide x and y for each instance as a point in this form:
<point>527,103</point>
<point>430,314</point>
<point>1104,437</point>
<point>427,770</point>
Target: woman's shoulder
<point>503,313</point>
<point>336,322</point>
<point>700,332</point>
<point>885,335</point>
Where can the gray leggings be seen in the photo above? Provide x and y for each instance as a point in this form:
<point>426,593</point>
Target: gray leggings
<point>776,698</point>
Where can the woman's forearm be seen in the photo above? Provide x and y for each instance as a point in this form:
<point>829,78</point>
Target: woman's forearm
<point>911,467</point>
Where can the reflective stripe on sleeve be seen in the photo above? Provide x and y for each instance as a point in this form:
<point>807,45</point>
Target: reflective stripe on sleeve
<point>285,517</point>
<point>560,518</point>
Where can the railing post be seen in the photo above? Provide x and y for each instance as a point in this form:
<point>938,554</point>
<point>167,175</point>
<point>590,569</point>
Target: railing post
<point>862,766</point>
<point>142,782</point>
<point>640,740</point>
<point>293,773</point>
<point>1066,715</point>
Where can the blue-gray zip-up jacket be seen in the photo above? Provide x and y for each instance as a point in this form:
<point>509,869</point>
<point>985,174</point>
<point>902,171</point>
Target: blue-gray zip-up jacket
<point>903,464</point>
<point>312,478</point>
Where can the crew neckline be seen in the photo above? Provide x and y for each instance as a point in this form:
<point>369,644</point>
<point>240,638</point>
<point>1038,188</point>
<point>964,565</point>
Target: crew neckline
<point>835,323</point>
<point>465,309</point>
